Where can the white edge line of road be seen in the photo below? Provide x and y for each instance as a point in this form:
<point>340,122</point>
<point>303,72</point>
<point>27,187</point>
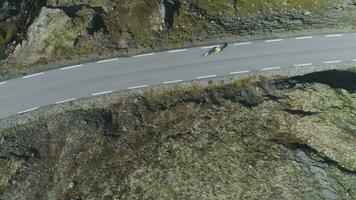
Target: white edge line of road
<point>143,55</point>
<point>170,82</point>
<point>65,101</point>
<point>274,40</point>
<point>137,87</point>
<point>108,60</point>
<point>102,93</point>
<point>270,68</point>
<point>2,83</point>
<point>304,38</point>
<point>334,35</point>
<point>303,65</point>
<point>332,61</point>
<point>71,67</point>
<point>177,50</point>
<point>240,72</point>
<point>208,76</point>
<point>242,43</point>
<point>29,110</point>
<point>33,75</point>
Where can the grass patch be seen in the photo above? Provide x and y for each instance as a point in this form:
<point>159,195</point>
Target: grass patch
<point>250,81</point>
<point>352,69</point>
<point>156,99</point>
<point>256,7</point>
<point>216,7</point>
<point>176,119</point>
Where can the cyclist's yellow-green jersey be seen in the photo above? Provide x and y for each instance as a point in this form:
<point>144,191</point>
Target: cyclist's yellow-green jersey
<point>217,49</point>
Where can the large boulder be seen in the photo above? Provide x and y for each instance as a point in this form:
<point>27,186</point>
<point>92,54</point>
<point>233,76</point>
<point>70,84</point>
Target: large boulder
<point>51,31</point>
<point>15,17</point>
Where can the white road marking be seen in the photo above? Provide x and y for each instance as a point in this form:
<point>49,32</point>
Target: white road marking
<point>303,65</point>
<point>334,35</point>
<point>33,75</point>
<point>270,68</point>
<point>2,83</point>
<point>240,72</point>
<point>137,87</point>
<point>29,110</point>
<point>275,40</point>
<point>304,38</point>
<point>242,43</point>
<point>177,50</point>
<point>108,60</point>
<point>332,61</point>
<point>71,67</point>
<point>354,60</point>
<point>65,101</point>
<point>144,55</point>
<point>101,93</point>
<point>208,76</point>
<point>170,82</point>
<point>209,47</point>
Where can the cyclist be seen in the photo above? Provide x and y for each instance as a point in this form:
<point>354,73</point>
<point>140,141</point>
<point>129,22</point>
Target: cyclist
<point>218,49</point>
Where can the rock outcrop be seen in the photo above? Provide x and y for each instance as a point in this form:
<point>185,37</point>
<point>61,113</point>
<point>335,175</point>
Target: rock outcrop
<point>52,33</point>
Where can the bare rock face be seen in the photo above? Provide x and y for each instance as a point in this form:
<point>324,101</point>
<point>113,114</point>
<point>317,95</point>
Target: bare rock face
<point>52,29</point>
<point>15,17</point>
<point>48,22</point>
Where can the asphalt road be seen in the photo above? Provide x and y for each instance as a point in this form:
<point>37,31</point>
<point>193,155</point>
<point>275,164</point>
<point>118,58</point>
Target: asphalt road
<point>57,86</point>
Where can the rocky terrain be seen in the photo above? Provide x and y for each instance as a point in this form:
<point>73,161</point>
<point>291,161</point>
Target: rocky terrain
<point>255,138</point>
<point>38,34</point>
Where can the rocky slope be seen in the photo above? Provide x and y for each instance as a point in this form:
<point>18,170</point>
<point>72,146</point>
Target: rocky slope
<point>40,32</point>
<point>257,138</point>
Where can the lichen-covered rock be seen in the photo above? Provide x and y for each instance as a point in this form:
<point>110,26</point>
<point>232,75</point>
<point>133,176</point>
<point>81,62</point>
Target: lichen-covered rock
<point>15,17</point>
<point>329,133</point>
<point>51,35</point>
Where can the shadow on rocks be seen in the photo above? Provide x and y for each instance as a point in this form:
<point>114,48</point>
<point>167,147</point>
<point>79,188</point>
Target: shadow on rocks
<point>171,7</point>
<point>334,78</point>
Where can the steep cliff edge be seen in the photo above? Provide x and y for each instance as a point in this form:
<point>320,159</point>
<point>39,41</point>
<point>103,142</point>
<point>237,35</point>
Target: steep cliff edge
<point>257,138</point>
<point>36,33</point>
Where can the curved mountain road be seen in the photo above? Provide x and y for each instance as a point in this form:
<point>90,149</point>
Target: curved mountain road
<point>61,85</point>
